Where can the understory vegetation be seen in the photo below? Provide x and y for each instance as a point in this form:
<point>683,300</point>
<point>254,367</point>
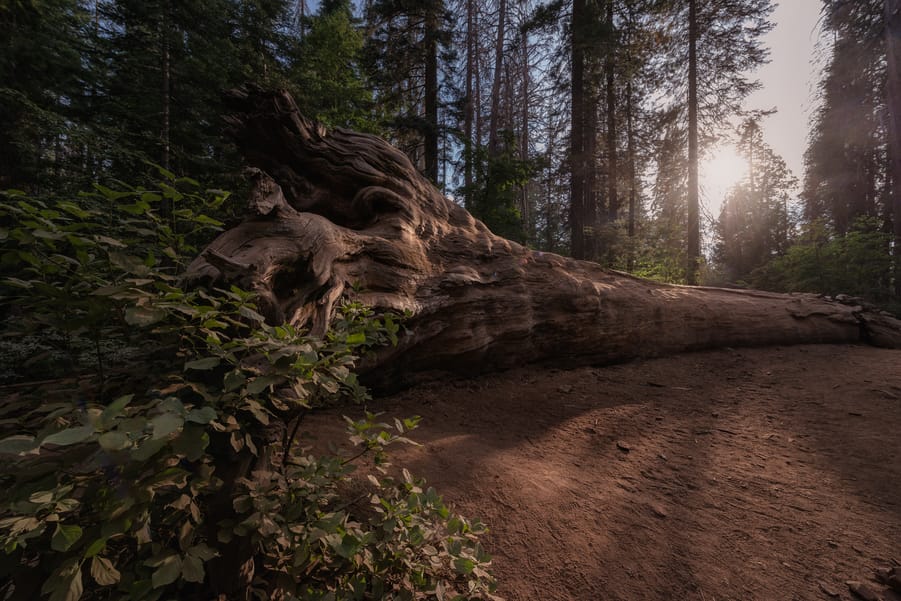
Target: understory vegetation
<point>160,454</point>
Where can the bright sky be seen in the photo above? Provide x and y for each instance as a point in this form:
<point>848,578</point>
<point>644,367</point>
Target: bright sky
<point>789,83</point>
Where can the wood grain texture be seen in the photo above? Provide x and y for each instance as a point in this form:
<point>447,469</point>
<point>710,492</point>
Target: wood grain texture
<point>338,213</point>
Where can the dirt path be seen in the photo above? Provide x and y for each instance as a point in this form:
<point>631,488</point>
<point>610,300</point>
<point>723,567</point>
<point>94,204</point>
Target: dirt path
<point>764,474</point>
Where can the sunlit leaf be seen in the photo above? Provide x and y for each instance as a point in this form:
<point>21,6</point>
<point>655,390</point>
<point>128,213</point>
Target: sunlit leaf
<point>64,537</point>
<point>104,572</point>
<point>144,316</point>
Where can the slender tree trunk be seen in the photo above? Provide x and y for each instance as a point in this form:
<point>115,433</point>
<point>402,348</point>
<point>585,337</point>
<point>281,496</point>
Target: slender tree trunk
<point>493,124</point>
<point>630,151</point>
<point>612,160</point>
<point>477,65</point>
<point>694,218</point>
<point>893,52</point>
<point>594,210</point>
<point>577,134</point>
<point>166,96</point>
<point>549,217</point>
<point>166,90</point>
<point>431,95</point>
<point>524,136</point>
<point>301,17</point>
<point>467,107</point>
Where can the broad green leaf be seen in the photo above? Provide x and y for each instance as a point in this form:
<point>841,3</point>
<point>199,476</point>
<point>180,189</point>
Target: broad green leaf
<point>163,171</point>
<point>203,552</point>
<point>69,436</point>
<point>148,448</point>
<point>65,583</point>
<point>144,316</point>
<point>111,194</point>
<point>17,444</point>
<point>128,263</point>
<point>165,424</point>
<point>170,192</point>
<point>64,537</point>
<point>356,338</point>
<point>73,209</point>
<point>48,235</point>
<point>192,569</point>
<point>251,315</point>
<point>64,505</point>
<point>110,241</point>
<point>104,572</point>
<point>258,411</point>
<point>261,383</point>
<point>192,442</point>
<point>95,547</point>
<point>112,291</point>
<point>114,441</point>
<point>44,496</point>
<point>203,415</point>
<point>115,408</point>
<point>203,364</point>
<point>207,220</point>
<point>168,571</point>
<point>463,565</point>
<point>233,380</point>
<point>16,282</point>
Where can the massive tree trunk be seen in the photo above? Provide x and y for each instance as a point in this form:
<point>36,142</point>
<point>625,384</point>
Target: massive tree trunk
<point>342,213</point>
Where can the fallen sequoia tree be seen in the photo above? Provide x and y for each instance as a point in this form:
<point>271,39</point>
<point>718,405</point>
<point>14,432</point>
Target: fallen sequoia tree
<point>338,213</point>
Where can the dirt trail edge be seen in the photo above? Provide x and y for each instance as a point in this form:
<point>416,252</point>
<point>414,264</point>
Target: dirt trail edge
<point>752,474</point>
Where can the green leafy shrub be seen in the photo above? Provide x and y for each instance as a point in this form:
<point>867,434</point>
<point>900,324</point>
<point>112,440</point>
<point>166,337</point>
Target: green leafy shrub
<point>858,264</point>
<point>183,479</point>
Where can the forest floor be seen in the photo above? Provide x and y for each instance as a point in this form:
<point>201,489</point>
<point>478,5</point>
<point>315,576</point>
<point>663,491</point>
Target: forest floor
<point>751,474</point>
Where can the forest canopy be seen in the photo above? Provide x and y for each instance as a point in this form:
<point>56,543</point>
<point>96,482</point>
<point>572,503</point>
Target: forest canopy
<point>474,93</point>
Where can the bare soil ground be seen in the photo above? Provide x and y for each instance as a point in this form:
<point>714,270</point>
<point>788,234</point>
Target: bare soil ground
<point>752,474</point>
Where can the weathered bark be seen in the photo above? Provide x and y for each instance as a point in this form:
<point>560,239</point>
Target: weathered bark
<point>430,137</point>
<point>694,211</point>
<point>612,160</point>
<point>347,214</point>
<point>577,159</point>
<point>630,153</point>
<point>467,106</point>
<point>494,123</point>
<point>893,95</point>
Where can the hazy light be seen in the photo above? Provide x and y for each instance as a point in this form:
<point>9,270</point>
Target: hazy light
<point>719,172</point>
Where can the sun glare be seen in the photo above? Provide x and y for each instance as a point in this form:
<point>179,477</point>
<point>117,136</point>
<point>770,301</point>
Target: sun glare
<point>723,169</point>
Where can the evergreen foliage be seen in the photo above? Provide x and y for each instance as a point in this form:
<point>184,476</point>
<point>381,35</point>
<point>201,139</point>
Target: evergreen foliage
<point>327,77</point>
